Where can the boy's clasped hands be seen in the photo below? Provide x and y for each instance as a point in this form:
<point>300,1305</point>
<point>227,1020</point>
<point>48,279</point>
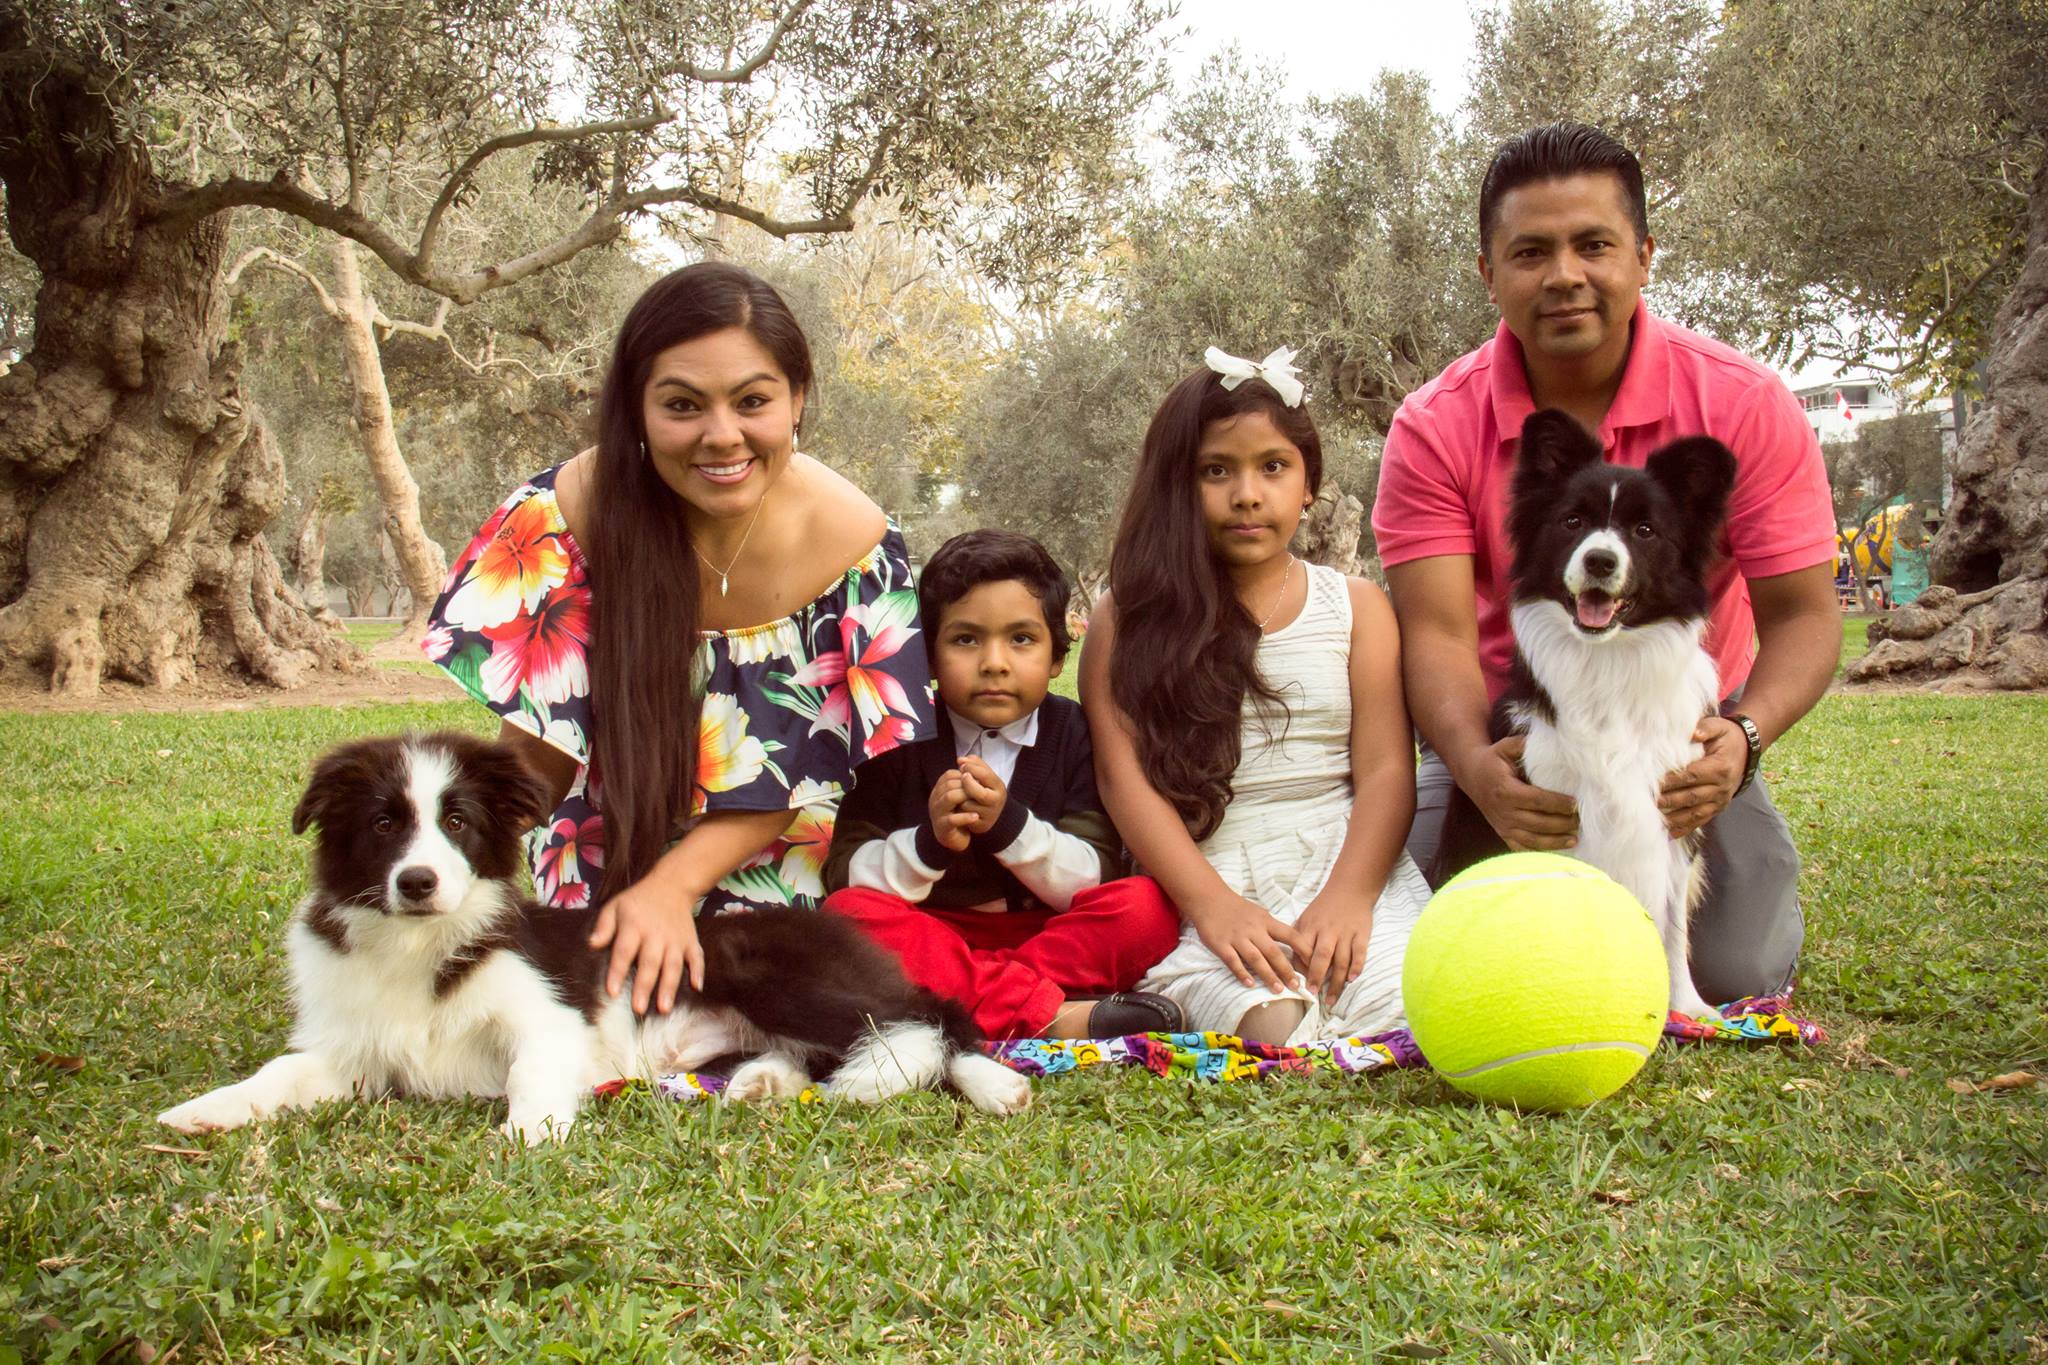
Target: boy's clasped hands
<point>966,801</point>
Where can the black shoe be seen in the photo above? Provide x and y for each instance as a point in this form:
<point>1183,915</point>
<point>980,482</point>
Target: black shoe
<point>1134,1012</point>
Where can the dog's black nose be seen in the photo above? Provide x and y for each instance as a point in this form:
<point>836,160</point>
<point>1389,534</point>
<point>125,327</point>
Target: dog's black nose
<point>417,883</point>
<point>1601,563</point>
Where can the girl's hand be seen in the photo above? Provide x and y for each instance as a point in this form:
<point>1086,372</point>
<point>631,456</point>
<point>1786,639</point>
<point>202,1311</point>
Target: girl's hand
<point>652,928</point>
<point>950,822</point>
<point>1334,932</point>
<point>1249,941</point>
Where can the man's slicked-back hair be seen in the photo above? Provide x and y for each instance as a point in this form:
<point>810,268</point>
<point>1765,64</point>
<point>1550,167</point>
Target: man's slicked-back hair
<point>1553,152</point>
<point>973,558</point>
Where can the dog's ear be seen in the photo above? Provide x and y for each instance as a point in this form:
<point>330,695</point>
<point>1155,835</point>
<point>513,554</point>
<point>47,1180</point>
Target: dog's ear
<point>1554,446</point>
<point>331,775</point>
<point>1699,474</point>
<point>520,794</point>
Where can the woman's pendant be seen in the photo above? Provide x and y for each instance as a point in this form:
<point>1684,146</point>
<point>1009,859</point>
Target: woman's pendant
<point>723,582</point>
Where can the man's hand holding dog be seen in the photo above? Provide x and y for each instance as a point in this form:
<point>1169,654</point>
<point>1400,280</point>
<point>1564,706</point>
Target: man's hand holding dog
<point>1525,817</point>
<point>947,809</point>
<point>1703,788</point>
<point>986,794</point>
<point>652,929</point>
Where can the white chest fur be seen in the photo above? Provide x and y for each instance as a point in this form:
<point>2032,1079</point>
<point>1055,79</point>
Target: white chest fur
<point>1626,706</point>
<point>373,1013</point>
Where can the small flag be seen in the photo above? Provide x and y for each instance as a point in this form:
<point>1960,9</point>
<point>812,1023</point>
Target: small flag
<point>1842,407</point>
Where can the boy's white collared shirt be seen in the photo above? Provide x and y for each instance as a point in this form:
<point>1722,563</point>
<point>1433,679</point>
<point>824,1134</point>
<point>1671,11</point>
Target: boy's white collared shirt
<point>998,748</point>
<point>1052,864</point>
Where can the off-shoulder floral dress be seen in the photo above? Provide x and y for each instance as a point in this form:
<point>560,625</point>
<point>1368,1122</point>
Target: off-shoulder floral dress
<point>788,709</point>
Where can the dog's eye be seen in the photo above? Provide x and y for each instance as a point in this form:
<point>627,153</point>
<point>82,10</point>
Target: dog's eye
<point>1645,531</point>
<point>383,824</point>
<point>1573,522</point>
<point>454,824</point>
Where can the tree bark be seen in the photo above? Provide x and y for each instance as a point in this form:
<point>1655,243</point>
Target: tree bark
<point>421,564</point>
<point>135,478</point>
<point>309,558</point>
<point>1993,546</point>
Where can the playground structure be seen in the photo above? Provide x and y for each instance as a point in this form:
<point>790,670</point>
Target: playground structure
<point>1868,552</point>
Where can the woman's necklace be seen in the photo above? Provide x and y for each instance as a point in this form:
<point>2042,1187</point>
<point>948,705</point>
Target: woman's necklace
<point>1286,577</point>
<point>725,574</point>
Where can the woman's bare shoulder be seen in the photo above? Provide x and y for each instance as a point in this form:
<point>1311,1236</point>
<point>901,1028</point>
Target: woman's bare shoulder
<point>839,521</point>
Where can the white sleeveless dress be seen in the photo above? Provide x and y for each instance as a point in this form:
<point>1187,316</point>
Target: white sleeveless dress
<point>1290,807</point>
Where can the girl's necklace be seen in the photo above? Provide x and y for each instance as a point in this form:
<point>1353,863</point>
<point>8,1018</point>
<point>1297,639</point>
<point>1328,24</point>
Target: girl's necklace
<point>1286,577</point>
<point>725,574</point>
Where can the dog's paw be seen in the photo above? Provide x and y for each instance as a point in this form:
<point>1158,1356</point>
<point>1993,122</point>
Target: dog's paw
<point>765,1078</point>
<point>533,1129</point>
<point>1688,1002</point>
<point>989,1085</point>
<point>213,1112</point>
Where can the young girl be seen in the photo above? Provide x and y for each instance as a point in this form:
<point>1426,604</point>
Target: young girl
<point>1250,738</point>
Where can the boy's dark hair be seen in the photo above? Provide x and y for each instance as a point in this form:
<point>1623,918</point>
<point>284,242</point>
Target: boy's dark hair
<point>973,558</point>
<point>1553,152</point>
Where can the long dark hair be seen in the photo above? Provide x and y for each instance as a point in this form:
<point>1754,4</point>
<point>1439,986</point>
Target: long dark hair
<point>643,566</point>
<point>1186,654</point>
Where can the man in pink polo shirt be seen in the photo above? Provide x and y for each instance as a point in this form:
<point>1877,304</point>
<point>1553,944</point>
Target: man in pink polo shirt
<point>1565,251</point>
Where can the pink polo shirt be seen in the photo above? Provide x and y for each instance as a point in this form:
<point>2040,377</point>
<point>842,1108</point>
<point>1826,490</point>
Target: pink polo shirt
<point>1451,453</point>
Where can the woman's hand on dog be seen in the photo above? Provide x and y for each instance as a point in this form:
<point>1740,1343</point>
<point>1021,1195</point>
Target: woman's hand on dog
<point>1249,941</point>
<point>1334,932</point>
<point>1703,788</point>
<point>1525,817</point>
<point>652,929</point>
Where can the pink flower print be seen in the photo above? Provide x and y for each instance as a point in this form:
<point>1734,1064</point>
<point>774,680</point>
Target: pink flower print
<point>559,871</point>
<point>870,634</point>
<point>543,651</point>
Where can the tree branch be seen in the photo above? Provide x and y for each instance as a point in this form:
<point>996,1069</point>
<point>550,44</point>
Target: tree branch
<point>603,225</point>
<point>431,232</point>
<point>263,255</point>
<point>437,330</point>
<point>744,72</point>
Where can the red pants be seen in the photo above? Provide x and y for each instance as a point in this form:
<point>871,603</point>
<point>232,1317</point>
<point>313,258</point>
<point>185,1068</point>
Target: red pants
<point>1013,971</point>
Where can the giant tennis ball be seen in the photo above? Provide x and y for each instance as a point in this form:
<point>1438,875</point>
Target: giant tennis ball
<point>1534,980</point>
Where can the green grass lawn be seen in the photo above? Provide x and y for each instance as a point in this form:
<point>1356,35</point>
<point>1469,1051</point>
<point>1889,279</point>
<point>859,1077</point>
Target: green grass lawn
<point>1730,1204</point>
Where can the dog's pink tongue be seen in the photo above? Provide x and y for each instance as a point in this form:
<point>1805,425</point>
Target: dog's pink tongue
<point>1595,610</point>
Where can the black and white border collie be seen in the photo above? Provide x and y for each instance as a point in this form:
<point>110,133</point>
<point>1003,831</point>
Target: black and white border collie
<point>1610,677</point>
<point>419,968</point>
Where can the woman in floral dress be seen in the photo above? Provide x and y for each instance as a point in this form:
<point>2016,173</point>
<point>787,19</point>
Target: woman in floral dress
<point>693,630</point>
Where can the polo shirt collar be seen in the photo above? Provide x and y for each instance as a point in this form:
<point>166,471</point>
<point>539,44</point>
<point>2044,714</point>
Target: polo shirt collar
<point>1644,397</point>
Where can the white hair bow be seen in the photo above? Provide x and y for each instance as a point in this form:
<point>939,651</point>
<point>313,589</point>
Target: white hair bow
<point>1276,369</point>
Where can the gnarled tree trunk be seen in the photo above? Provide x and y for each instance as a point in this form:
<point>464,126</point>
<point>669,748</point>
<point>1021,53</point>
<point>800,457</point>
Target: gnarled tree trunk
<point>1993,548</point>
<point>135,478</point>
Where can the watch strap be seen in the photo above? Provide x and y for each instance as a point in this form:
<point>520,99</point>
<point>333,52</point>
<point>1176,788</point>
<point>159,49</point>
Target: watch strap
<point>1755,739</point>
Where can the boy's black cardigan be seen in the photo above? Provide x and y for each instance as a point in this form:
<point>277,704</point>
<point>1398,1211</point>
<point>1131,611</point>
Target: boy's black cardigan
<point>1055,780</point>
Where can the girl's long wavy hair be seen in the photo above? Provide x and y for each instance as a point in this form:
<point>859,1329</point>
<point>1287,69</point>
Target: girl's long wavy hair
<point>643,566</point>
<point>1186,654</point>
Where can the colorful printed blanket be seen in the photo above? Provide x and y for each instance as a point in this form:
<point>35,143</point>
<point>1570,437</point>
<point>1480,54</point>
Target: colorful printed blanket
<point>1225,1057</point>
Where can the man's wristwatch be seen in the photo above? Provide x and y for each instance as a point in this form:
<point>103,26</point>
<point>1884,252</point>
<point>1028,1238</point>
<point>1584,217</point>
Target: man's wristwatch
<point>1756,750</point>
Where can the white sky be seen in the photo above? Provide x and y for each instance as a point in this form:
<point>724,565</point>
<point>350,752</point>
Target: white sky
<point>1330,47</point>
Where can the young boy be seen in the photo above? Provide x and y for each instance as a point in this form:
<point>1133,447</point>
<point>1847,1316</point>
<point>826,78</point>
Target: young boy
<point>982,858</point>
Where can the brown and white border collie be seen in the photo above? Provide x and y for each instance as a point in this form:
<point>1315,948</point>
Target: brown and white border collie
<point>419,967</point>
<point>1610,674</point>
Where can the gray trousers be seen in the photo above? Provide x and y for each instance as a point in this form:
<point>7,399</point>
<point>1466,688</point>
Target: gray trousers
<point>1747,930</point>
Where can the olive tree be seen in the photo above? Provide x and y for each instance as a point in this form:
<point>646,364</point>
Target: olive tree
<point>135,477</point>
